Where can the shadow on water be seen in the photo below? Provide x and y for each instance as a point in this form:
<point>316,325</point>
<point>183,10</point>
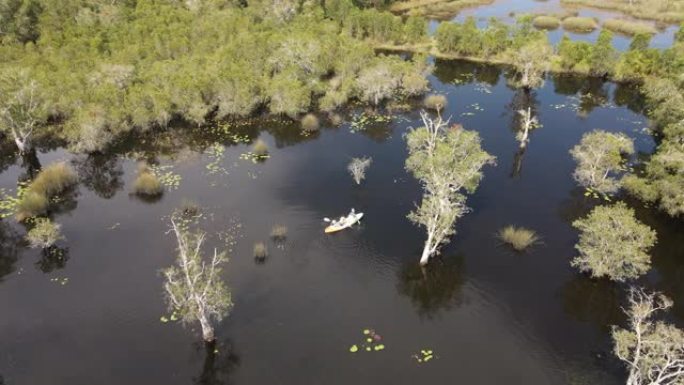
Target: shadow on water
<point>100,173</point>
<point>435,287</point>
<point>597,301</point>
<point>10,242</point>
<point>220,361</point>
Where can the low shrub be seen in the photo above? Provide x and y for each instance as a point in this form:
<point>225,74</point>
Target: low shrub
<point>519,238</point>
<point>579,24</point>
<point>630,28</point>
<point>44,234</point>
<point>147,184</point>
<point>435,102</point>
<point>260,251</point>
<point>310,123</point>
<point>260,148</point>
<point>546,22</point>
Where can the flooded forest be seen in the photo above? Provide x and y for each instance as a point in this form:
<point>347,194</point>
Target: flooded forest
<point>336,192</point>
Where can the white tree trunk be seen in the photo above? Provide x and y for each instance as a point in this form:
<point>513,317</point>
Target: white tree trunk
<point>207,329</point>
<point>427,251</point>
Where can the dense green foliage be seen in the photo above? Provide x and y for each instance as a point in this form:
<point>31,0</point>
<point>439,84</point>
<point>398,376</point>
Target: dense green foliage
<point>448,161</point>
<point>600,157</point>
<point>104,68</point>
<point>613,243</point>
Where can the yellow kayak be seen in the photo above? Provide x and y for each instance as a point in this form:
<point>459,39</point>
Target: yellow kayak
<point>344,222</point>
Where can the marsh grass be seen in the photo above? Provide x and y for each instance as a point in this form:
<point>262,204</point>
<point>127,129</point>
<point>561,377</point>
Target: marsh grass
<point>260,148</point>
<point>260,251</point>
<point>44,233</point>
<point>435,102</point>
<point>54,179</point>
<point>546,22</point>
<point>579,24</point>
<point>519,238</point>
<point>630,28</point>
<point>31,204</point>
<point>147,184</point>
<point>279,233</point>
<point>50,182</point>
<point>310,123</point>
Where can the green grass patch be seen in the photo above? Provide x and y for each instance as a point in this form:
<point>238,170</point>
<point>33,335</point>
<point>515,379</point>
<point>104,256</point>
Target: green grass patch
<point>579,24</point>
<point>546,22</point>
<point>630,28</point>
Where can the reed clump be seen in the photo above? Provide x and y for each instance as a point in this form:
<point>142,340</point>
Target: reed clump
<point>519,238</point>
<point>147,183</point>
<point>435,102</point>
<point>50,182</point>
<point>546,22</point>
<point>630,28</point>
<point>579,24</point>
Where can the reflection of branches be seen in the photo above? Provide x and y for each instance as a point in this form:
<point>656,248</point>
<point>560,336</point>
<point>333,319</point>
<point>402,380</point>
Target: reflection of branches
<point>517,162</point>
<point>100,173</point>
<point>433,287</point>
<point>592,300</point>
<point>9,241</point>
<point>53,258</point>
<point>219,363</point>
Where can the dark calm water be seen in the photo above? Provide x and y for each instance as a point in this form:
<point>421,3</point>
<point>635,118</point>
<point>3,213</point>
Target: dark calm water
<point>490,315</point>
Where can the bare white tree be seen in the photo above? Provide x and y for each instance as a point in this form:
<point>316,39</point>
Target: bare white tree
<point>527,124</point>
<point>357,168</point>
<point>21,107</point>
<point>446,161</point>
<point>194,288</point>
<point>600,157</point>
<point>652,350</point>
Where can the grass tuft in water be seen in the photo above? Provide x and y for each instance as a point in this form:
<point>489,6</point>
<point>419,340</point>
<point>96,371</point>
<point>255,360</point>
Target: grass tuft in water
<point>310,123</point>
<point>279,233</point>
<point>260,251</point>
<point>44,233</point>
<point>147,183</point>
<point>519,238</point>
<point>435,102</point>
<point>260,148</point>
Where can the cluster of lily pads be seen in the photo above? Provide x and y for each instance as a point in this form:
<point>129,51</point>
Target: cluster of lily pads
<point>166,176</point>
<point>255,158</point>
<point>361,121</point>
<point>61,281</point>
<point>9,202</point>
<point>173,317</point>
<point>372,342</point>
<point>424,356</point>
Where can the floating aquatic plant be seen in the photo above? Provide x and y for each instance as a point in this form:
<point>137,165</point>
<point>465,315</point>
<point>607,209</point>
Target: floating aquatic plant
<point>361,121</point>
<point>372,342</point>
<point>166,176</point>
<point>424,356</point>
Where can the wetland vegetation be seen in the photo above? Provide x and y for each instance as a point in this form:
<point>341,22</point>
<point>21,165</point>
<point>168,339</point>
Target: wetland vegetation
<point>522,194</point>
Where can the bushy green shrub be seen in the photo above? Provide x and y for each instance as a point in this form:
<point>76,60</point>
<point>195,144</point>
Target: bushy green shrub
<point>519,238</point>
